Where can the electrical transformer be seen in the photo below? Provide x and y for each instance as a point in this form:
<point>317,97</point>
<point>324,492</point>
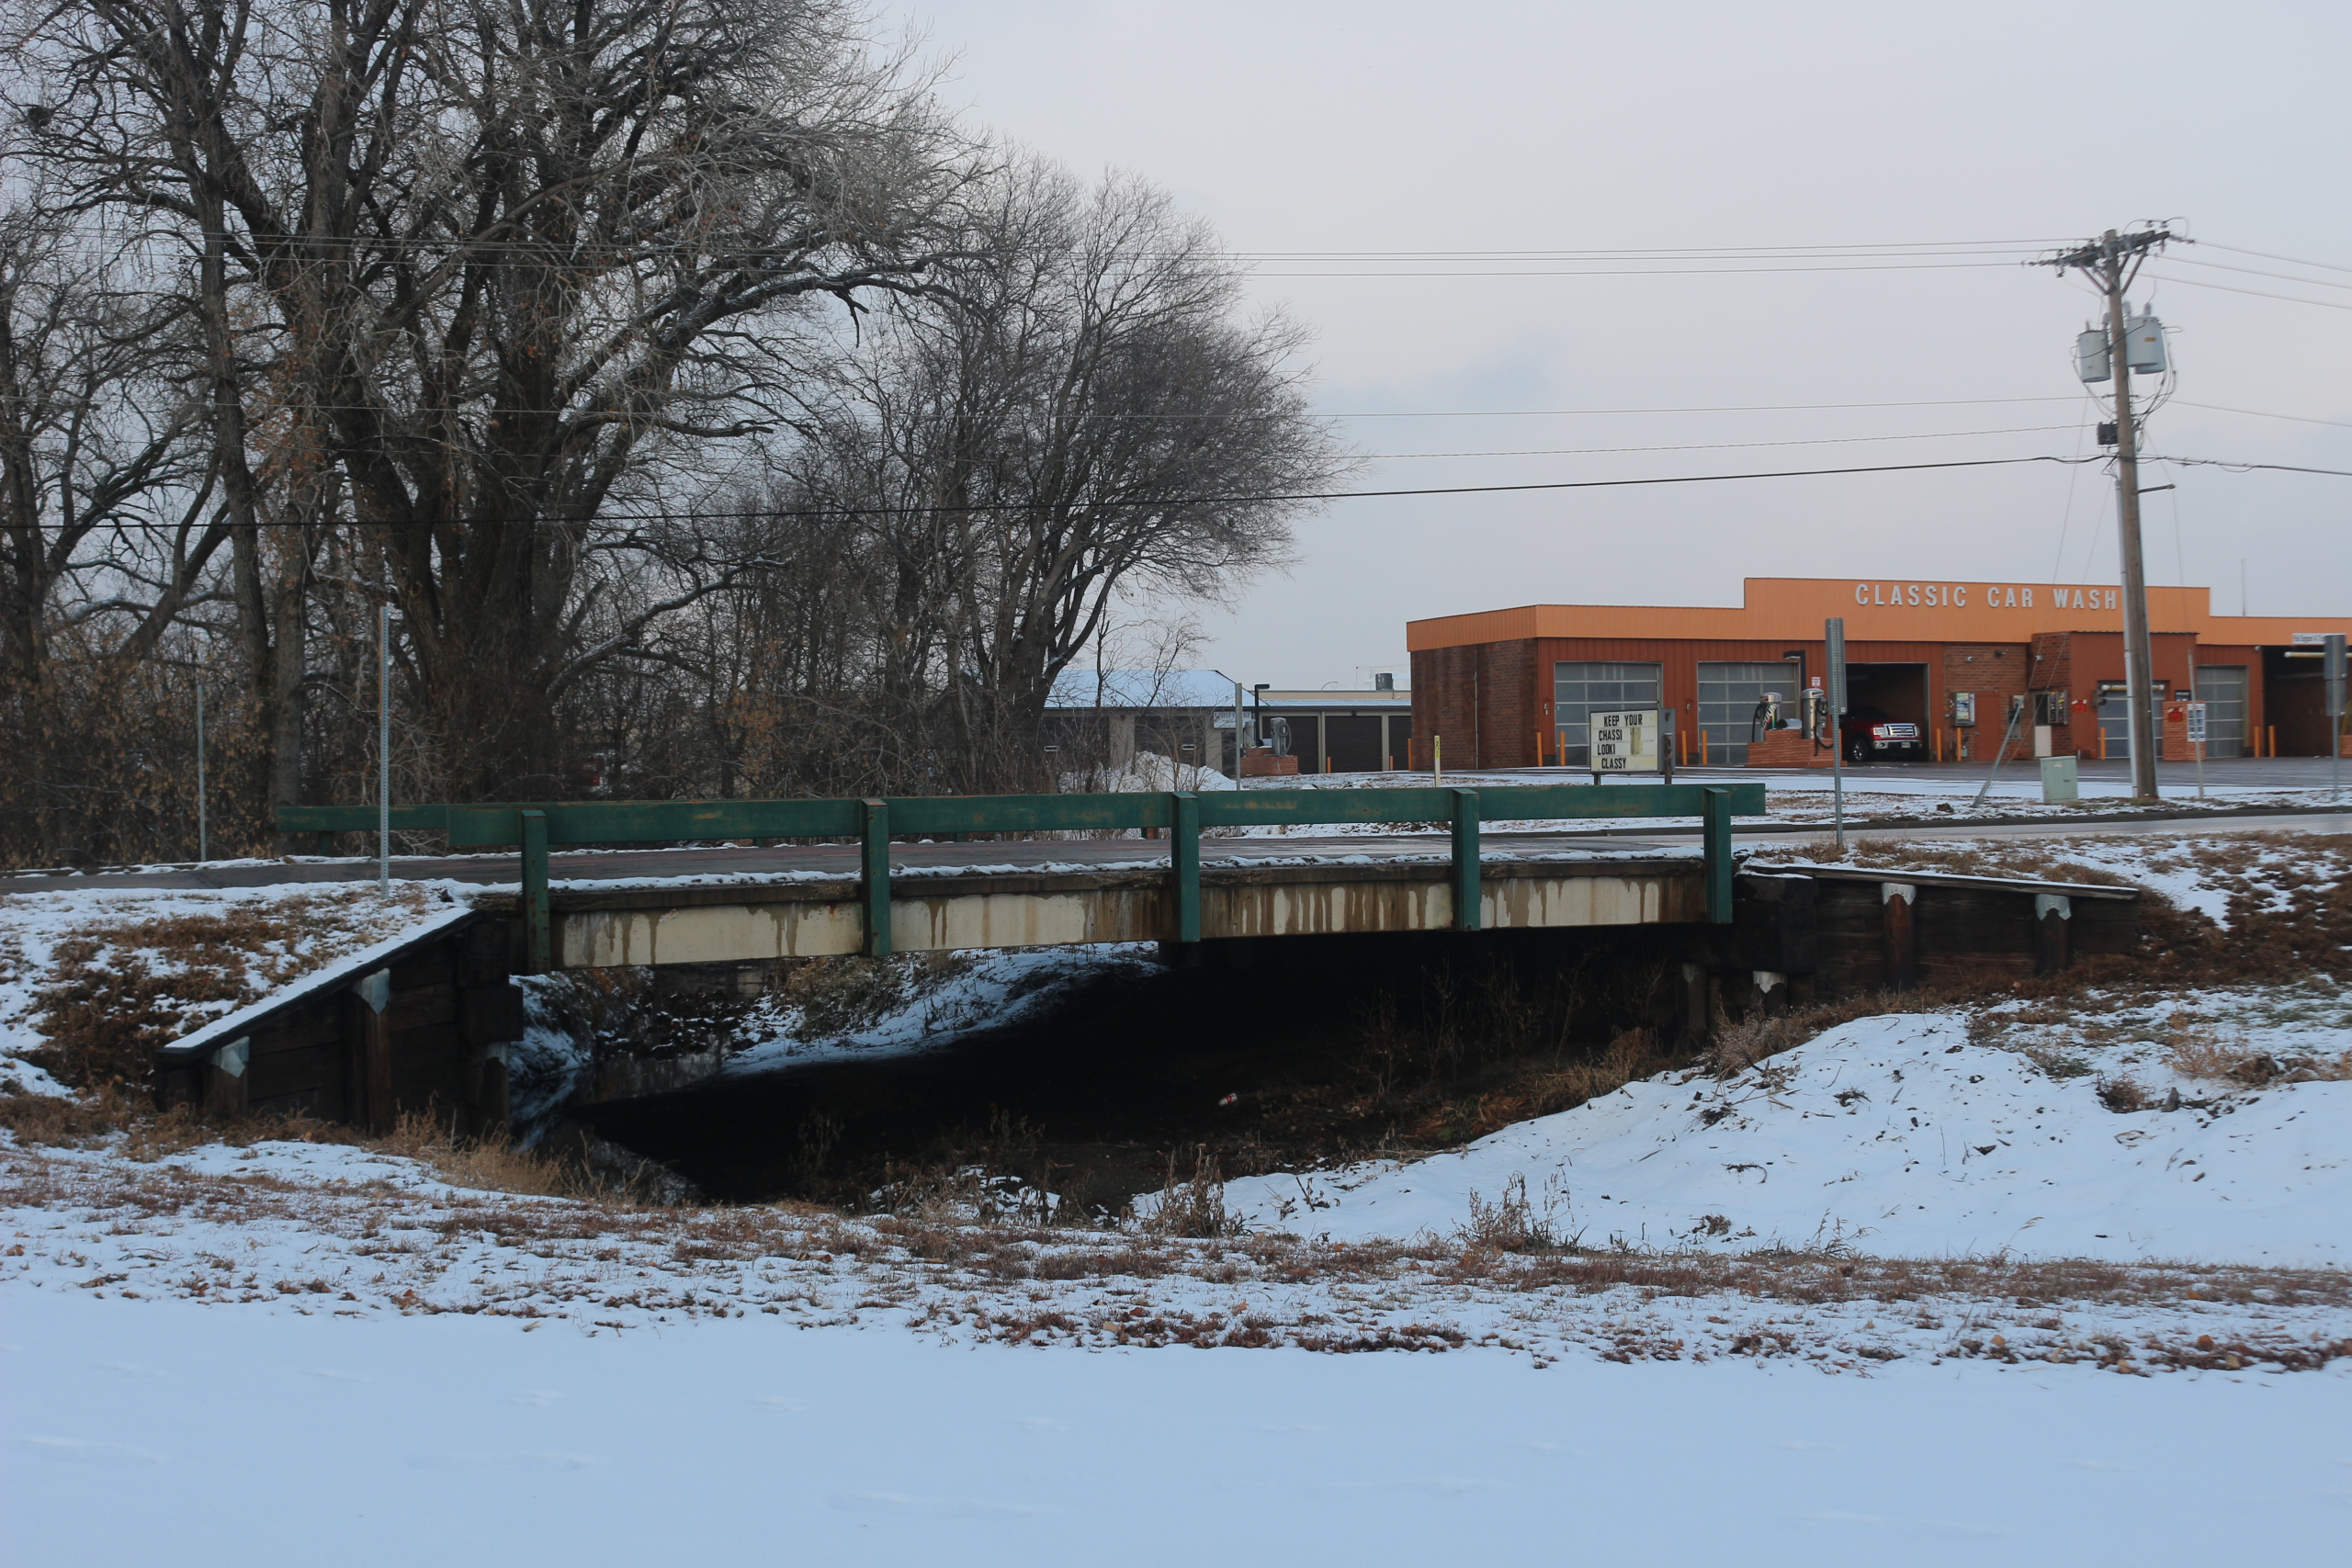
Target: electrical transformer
<point>2092,360</point>
<point>2143,345</point>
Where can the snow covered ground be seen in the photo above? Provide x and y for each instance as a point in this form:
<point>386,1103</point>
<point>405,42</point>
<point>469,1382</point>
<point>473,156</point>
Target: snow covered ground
<point>2054,1321</point>
<point>232,1354</point>
<point>1899,1135</point>
<point>140,1431</point>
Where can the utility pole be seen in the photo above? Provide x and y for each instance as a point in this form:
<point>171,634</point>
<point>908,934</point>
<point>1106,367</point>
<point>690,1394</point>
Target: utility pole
<point>2111,262</point>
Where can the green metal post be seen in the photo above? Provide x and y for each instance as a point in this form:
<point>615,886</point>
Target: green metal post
<point>1184,863</point>
<point>537,920</point>
<point>1715,837</point>
<point>875,878</point>
<point>1466,859</point>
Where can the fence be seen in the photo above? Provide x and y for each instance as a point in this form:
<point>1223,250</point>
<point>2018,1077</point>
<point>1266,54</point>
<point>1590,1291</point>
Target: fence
<point>538,827</point>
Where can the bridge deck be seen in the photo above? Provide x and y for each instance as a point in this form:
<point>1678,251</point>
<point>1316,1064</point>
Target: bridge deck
<point>1108,892</point>
<point>495,867</point>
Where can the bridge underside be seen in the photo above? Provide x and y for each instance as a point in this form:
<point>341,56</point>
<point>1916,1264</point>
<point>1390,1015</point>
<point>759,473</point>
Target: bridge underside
<point>810,919</point>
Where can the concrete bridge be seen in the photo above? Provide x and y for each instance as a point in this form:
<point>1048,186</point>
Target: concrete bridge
<point>430,1021</point>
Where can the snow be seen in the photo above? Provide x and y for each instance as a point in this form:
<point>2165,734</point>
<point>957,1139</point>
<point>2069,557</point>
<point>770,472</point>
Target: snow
<point>1804,796</point>
<point>1893,1135</point>
<point>1148,772</point>
<point>985,990</point>
<point>314,933</point>
<point>328,977</point>
<point>235,1351</point>
<point>166,1431</point>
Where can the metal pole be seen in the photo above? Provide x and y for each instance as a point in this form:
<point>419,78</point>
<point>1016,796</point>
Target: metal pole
<point>2332,670</point>
<point>384,749</point>
<point>1237,744</point>
<point>1999,752</point>
<point>203,837</point>
<point>1833,697</point>
<point>2139,673</point>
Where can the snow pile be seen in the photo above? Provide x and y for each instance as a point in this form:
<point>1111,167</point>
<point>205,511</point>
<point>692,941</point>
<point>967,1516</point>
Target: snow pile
<point>935,1000</point>
<point>1147,774</point>
<point>1895,1135</point>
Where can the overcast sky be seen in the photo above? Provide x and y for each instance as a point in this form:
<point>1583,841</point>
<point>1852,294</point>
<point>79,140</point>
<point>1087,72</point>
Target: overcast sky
<point>1375,127</point>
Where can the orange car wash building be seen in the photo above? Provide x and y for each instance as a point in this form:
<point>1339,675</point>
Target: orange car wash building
<point>1513,688</point>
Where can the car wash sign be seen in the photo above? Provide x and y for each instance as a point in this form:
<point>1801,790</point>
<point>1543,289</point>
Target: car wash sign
<point>1627,742</point>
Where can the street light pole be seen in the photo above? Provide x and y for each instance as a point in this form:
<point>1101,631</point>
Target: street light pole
<point>384,748</point>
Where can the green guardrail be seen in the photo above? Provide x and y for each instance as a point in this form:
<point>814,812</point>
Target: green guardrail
<point>538,827</point>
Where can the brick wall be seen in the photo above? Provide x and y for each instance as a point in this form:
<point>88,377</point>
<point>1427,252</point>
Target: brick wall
<point>1479,700</point>
<point>1507,716</point>
<point>1994,672</point>
<point>1443,679</point>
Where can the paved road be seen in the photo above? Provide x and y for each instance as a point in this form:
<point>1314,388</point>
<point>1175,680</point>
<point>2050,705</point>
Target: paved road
<point>842,859</point>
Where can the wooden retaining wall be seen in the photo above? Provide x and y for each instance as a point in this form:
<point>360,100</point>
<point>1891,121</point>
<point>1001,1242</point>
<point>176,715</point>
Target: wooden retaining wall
<point>425,1030</point>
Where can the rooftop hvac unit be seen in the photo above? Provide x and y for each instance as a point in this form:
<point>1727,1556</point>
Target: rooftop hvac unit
<point>2143,345</point>
<point>2092,362</point>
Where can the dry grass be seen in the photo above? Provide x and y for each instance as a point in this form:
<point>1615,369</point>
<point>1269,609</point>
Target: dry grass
<point>374,1247</point>
<point>120,988</point>
<point>1194,1205</point>
<point>2290,900</point>
<point>2198,1048</point>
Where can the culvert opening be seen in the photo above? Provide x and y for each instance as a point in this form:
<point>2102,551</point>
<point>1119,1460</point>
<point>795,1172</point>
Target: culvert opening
<point>1127,1078</point>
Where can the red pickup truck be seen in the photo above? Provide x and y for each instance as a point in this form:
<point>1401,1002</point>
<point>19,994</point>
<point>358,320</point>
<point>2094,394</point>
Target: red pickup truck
<point>1870,734</point>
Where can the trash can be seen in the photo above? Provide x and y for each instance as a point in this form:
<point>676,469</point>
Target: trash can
<point>2059,783</point>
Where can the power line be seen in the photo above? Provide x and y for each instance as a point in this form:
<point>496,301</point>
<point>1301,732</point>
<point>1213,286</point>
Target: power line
<point>1879,247</point>
<point>1650,271</point>
<point>1716,407</point>
<point>1734,446</point>
<point>1373,414</point>
<point>2242,468</point>
<point>2261,272</point>
<point>2258,293</point>
<point>846,511</point>
<point>2265,255</point>
<point>2257,413</point>
<point>149,526</point>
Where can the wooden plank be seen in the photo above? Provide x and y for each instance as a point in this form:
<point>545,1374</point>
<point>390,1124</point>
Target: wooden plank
<point>1976,921</point>
<point>1775,925</point>
<point>2100,926</point>
<point>2052,925</point>
<point>1897,934</point>
<point>368,1066</point>
<point>422,1006</point>
<point>318,1021</point>
<point>316,1069</point>
<point>485,954</point>
<point>492,1014</point>
<point>225,1094</point>
<point>428,1072</point>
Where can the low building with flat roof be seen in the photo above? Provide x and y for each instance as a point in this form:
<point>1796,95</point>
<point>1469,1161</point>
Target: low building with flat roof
<point>1514,688</point>
<point>1103,718</point>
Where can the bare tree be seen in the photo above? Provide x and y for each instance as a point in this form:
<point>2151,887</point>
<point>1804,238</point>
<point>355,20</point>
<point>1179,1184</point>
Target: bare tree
<point>1082,411</point>
<point>512,272</point>
<point>94,452</point>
